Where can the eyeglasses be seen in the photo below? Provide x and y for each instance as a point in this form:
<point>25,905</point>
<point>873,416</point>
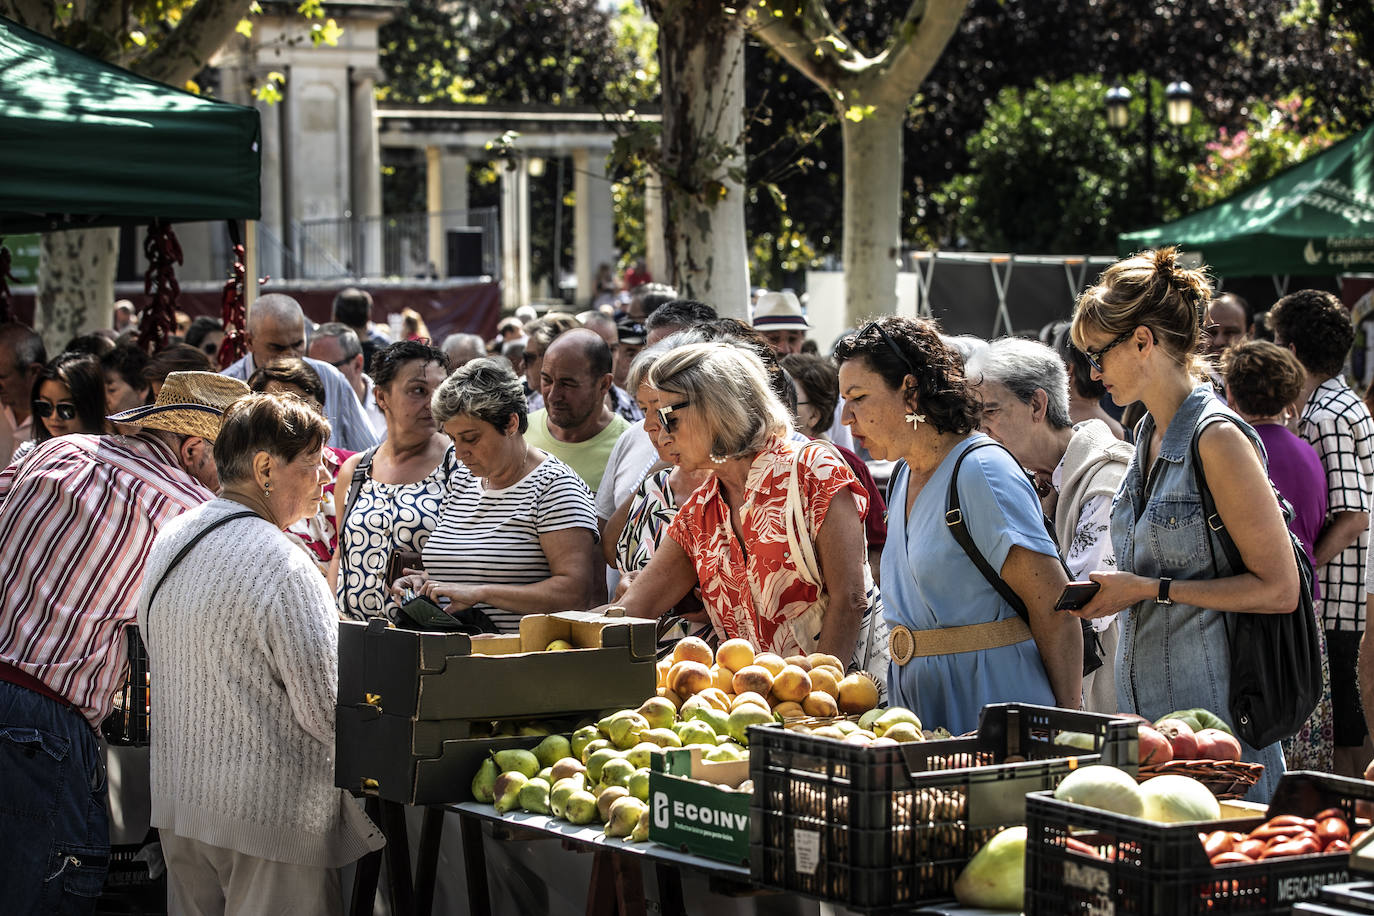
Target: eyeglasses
<point>66,410</point>
<point>665,416</point>
<point>1095,357</point>
<point>891,344</point>
<point>344,362</point>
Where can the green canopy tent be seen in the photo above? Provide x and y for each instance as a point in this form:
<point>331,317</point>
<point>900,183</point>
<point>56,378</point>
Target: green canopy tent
<point>1316,217</point>
<point>84,143</point>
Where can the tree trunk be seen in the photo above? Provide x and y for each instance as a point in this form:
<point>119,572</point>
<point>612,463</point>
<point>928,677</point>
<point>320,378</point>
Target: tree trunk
<point>872,212</point>
<point>76,273</point>
<point>701,54</point>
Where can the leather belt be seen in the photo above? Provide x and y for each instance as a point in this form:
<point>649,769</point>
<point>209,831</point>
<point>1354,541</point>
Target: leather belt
<point>904,644</point>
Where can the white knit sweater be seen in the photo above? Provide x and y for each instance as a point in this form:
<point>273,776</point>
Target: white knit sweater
<point>243,654</point>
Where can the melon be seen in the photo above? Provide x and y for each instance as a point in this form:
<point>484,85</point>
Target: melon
<point>1174,798</point>
<point>1102,787</point>
<point>995,878</point>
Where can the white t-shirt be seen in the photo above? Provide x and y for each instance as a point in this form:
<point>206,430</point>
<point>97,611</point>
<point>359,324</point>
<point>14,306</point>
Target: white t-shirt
<point>492,536</point>
<point>630,459</point>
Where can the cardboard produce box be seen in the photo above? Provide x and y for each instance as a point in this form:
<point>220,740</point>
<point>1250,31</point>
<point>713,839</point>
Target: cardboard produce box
<point>411,761</point>
<point>412,674</point>
<point>707,820</point>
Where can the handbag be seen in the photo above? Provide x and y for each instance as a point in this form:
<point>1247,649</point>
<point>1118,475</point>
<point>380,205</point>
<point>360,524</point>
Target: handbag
<point>1276,672</point>
<point>870,649</point>
<point>958,529</point>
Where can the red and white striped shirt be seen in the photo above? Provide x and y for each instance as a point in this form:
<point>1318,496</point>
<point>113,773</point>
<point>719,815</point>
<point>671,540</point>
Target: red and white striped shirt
<point>77,519</point>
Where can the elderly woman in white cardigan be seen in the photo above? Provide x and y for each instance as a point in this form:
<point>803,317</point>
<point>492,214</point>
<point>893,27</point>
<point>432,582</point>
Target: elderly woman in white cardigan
<point>1025,388</point>
<point>242,636</point>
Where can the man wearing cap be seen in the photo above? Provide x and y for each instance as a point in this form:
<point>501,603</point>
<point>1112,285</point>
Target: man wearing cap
<point>778,317</point>
<point>77,519</point>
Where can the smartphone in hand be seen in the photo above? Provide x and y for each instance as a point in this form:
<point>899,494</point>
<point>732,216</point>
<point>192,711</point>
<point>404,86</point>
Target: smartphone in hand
<point>1076,595</point>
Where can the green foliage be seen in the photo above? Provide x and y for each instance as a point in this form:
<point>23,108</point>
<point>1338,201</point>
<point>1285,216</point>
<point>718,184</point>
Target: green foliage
<point>1274,138</point>
<point>1046,174</point>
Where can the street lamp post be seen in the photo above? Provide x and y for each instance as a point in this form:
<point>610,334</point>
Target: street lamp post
<point>1178,98</point>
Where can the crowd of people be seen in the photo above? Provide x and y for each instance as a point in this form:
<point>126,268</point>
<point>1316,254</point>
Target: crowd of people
<point>711,473</point>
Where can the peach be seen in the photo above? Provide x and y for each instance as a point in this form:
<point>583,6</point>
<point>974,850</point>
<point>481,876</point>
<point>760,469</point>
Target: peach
<point>789,710</point>
<point>753,679</point>
<point>669,695</point>
<point>748,696</point>
<point>772,661</point>
<point>824,680</point>
<point>723,678</point>
<point>818,659</point>
<point>662,667</point>
<point>687,678</point>
<point>735,654</point>
<point>693,649</point>
<point>819,703</point>
<point>791,683</point>
<point>857,693</point>
<point>717,698</point>
<point>798,660</point>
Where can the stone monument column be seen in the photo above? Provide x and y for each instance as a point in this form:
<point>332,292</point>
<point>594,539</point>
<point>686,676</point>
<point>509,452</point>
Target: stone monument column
<point>365,190</point>
<point>593,220</point>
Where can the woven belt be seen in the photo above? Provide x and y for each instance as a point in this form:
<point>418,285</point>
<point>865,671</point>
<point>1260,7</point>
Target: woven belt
<point>905,644</point>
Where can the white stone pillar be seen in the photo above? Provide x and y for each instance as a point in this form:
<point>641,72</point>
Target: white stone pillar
<point>593,220</point>
<point>366,173</point>
<point>655,244</point>
<point>273,220</point>
<point>515,235</point>
<point>434,206</point>
<point>453,167</point>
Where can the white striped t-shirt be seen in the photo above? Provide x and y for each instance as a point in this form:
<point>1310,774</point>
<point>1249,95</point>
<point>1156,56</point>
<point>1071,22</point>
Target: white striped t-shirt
<point>492,536</point>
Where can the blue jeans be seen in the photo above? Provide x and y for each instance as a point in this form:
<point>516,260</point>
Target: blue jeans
<point>54,832</point>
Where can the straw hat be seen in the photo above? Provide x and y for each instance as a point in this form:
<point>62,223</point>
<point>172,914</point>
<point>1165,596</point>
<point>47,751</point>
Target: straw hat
<point>779,312</point>
<point>189,404</point>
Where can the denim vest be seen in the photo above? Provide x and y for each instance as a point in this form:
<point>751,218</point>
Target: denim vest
<point>1176,657</point>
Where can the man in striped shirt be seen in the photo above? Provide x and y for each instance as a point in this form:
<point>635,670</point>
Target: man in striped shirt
<point>77,519</point>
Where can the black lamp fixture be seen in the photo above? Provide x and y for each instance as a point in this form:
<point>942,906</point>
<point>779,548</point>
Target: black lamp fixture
<point>1178,110</point>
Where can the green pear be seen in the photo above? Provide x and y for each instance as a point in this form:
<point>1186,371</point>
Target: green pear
<point>642,753</point>
<point>725,752</point>
<point>624,728</point>
<point>659,712</point>
<point>891,717</point>
<point>745,716</point>
<point>724,738</point>
<point>507,789</point>
<point>639,784</point>
<point>623,817</point>
<point>867,719</point>
<point>598,760</point>
<point>517,759</point>
<point>641,831</point>
<point>534,796</point>
<point>545,774</point>
<point>697,732</point>
<point>594,746</point>
<point>563,790</point>
<point>484,783</point>
<point>581,807</point>
<point>847,726</point>
<point>504,730</point>
<point>718,720</point>
<point>608,796</point>
<point>552,749</point>
<point>581,738</point>
<point>532,730</point>
<point>663,737</point>
<point>617,772</point>
<point>903,732</point>
<point>691,705</point>
<point>566,767</point>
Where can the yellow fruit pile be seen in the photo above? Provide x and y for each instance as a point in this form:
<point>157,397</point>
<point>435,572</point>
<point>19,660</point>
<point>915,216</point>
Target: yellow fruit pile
<point>800,685</point>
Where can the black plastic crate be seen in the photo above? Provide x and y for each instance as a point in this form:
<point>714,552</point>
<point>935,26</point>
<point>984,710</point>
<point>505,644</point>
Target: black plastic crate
<point>876,828</point>
<point>1162,870</point>
<point>128,724</point>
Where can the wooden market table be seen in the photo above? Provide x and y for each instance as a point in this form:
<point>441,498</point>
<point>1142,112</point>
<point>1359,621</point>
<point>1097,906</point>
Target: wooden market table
<point>616,882</point>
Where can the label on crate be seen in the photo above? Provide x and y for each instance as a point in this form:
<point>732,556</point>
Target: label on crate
<point>1302,887</point>
<point>1094,880</point>
<point>806,845</point>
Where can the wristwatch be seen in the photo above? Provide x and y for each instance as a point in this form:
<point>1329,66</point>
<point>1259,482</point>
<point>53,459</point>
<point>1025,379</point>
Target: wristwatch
<point>1163,597</point>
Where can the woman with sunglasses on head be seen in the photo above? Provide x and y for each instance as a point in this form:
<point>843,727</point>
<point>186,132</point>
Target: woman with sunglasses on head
<point>68,398</point>
<point>717,414</point>
<point>1139,328</point>
<point>956,643</point>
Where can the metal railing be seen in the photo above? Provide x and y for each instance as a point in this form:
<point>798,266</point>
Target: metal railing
<point>389,246</point>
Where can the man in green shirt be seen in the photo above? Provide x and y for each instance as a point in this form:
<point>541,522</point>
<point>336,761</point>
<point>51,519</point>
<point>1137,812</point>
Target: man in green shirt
<point>575,425</point>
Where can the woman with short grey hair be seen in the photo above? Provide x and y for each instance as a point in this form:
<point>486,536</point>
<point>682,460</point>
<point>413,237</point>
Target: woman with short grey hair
<point>1025,391</point>
<point>516,534</point>
<point>717,414</point>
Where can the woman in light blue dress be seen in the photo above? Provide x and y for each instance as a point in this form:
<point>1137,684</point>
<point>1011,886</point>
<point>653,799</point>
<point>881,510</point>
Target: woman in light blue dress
<point>1139,328</point>
<point>906,397</point>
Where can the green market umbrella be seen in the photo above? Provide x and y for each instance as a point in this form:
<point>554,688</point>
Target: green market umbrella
<point>84,143</point>
<point>1316,217</point>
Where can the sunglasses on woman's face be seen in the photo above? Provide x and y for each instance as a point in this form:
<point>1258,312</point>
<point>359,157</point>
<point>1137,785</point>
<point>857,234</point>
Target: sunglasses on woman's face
<point>66,410</point>
<point>666,418</point>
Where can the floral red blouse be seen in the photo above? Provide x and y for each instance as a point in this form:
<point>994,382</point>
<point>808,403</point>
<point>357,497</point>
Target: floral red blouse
<point>752,590</point>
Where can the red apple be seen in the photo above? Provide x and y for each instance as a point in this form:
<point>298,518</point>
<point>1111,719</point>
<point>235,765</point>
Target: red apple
<point>1215,744</point>
<point>1181,736</point>
<point>1154,747</point>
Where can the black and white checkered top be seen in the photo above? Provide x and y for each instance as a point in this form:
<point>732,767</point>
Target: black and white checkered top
<point>1340,428</point>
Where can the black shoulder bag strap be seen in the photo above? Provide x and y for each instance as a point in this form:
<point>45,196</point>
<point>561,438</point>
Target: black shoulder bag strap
<point>181,554</point>
<point>958,529</point>
<point>360,473</point>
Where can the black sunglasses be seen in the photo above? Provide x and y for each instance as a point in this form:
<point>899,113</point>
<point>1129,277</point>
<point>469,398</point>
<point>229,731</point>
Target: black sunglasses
<point>66,410</point>
<point>1095,357</point>
<point>891,345</point>
<point>666,418</point>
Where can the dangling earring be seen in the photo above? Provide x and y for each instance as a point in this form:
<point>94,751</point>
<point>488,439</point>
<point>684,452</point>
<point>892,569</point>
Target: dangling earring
<point>267,489</point>
<point>915,419</point>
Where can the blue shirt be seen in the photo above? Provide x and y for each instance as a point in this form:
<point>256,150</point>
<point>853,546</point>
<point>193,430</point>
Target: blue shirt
<point>351,428</point>
<point>929,583</point>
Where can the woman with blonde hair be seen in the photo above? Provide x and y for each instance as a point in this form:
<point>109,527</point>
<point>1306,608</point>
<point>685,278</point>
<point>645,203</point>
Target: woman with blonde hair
<point>1139,327</point>
<point>764,493</point>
